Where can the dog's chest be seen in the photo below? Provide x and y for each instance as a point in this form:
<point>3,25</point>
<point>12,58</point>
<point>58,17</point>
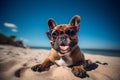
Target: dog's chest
<point>64,61</point>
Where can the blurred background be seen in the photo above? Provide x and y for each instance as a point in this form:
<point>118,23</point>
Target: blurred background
<point>26,21</point>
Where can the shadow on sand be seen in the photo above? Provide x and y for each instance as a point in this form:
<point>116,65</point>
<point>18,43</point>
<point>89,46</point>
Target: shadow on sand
<point>92,66</point>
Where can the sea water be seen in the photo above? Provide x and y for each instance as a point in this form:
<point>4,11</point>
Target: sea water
<point>92,51</point>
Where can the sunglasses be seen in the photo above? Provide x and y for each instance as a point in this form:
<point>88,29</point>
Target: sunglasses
<point>71,31</point>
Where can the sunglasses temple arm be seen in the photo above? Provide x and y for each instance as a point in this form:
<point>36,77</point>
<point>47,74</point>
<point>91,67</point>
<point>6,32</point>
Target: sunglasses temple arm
<point>49,35</point>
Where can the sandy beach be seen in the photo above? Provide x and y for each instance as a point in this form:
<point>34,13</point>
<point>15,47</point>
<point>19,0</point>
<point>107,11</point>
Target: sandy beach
<point>16,63</point>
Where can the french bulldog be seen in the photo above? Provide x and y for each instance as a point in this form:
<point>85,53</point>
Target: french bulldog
<point>65,50</point>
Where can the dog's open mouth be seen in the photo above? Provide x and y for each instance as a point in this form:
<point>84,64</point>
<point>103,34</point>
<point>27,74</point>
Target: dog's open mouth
<point>64,48</point>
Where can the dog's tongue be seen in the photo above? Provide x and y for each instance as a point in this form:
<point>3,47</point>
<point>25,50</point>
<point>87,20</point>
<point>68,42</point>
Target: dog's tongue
<point>64,47</point>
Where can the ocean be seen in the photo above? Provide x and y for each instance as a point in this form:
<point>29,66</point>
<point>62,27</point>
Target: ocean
<point>105,52</point>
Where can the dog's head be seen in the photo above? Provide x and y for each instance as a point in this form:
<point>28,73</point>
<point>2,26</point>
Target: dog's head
<point>64,37</point>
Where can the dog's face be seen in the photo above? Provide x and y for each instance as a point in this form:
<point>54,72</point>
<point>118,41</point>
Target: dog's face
<point>64,37</point>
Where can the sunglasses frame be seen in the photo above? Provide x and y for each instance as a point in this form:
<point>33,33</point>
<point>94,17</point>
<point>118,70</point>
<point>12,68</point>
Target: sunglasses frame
<point>49,33</point>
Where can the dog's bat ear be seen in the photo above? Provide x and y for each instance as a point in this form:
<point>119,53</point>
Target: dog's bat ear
<point>75,21</point>
<point>51,23</point>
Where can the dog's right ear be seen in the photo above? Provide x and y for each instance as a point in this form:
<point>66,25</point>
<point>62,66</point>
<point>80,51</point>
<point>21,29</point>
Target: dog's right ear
<point>51,23</point>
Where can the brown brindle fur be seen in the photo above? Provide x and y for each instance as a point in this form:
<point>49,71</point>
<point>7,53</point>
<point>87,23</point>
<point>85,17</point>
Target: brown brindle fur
<point>76,55</point>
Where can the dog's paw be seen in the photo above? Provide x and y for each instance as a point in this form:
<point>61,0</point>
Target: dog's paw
<point>79,71</point>
<point>38,68</point>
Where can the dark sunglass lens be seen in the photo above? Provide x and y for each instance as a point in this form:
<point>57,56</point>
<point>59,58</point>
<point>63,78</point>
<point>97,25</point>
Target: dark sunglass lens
<point>55,34</point>
<point>71,32</point>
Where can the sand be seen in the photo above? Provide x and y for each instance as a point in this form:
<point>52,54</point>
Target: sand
<point>16,63</point>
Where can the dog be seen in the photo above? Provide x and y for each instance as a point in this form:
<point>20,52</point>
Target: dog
<point>65,50</point>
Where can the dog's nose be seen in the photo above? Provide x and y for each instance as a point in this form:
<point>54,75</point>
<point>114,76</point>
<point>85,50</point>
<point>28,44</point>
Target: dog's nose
<point>63,37</point>
<point>63,40</point>
<point>62,43</point>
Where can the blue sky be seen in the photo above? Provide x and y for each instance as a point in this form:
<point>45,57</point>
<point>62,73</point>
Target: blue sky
<point>27,19</point>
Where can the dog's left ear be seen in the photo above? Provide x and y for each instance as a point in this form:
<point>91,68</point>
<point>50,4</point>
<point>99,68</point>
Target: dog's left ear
<point>51,23</point>
<point>75,21</point>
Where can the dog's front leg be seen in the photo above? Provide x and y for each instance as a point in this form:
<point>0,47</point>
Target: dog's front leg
<point>79,71</point>
<point>44,66</point>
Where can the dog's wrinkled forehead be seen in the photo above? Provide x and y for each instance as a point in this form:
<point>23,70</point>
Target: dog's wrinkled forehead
<point>62,27</point>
